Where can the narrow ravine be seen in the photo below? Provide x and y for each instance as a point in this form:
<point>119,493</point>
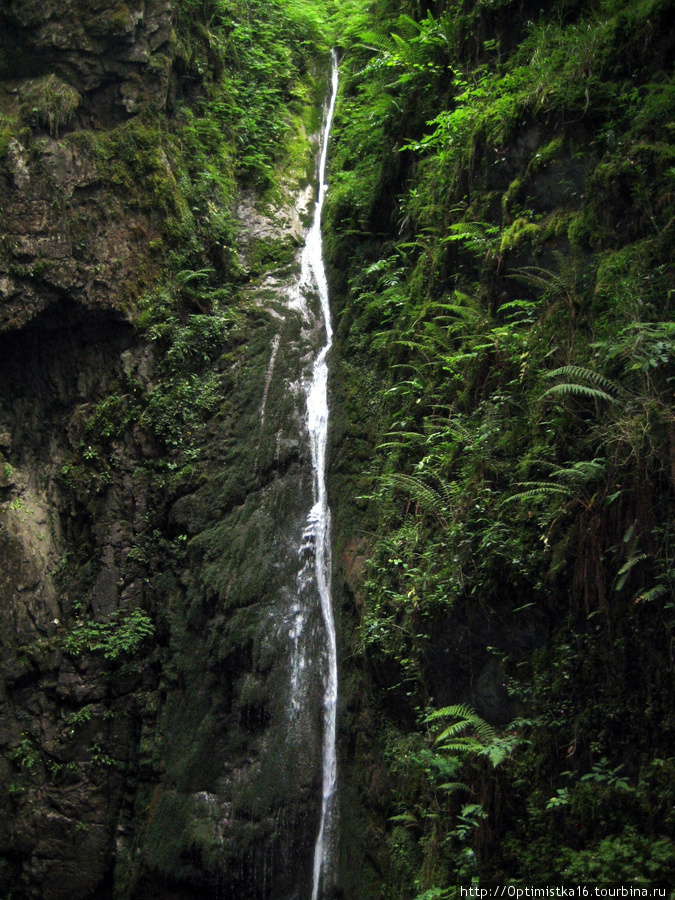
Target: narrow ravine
<point>317,532</point>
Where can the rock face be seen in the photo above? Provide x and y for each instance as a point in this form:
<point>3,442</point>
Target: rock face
<point>110,52</point>
<point>154,739</point>
<point>63,333</point>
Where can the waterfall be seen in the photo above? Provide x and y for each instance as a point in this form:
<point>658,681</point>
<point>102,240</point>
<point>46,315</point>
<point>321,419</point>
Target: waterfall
<point>317,532</point>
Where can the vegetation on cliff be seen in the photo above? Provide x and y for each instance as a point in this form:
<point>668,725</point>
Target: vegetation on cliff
<point>500,229</point>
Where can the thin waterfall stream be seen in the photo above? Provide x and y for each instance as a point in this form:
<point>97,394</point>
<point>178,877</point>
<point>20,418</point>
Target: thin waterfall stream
<point>317,531</point>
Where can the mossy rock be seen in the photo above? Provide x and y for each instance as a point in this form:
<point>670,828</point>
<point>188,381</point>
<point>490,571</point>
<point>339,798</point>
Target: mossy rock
<point>49,102</point>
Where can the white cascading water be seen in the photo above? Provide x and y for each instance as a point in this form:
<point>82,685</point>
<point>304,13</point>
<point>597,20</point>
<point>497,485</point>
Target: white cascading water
<point>317,531</point>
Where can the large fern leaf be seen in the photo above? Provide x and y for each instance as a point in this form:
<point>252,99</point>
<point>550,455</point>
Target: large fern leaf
<point>624,571</point>
<point>659,590</point>
<point>579,390</point>
<point>538,490</point>
<point>581,472</point>
<point>467,719</point>
<point>452,786</point>
<point>423,493</point>
<point>580,373</point>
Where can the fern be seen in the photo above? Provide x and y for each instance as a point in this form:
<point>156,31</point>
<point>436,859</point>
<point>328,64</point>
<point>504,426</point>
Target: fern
<point>540,279</point>
<point>477,236</point>
<point>583,374</point>
<point>562,283</point>
<point>581,472</point>
<point>579,390</point>
<point>453,786</point>
<point>462,745</point>
<point>467,719</point>
<point>633,561</point>
<point>429,498</point>
<point>538,490</point>
<point>404,819</point>
<point>408,27</point>
<point>622,574</point>
<point>587,383</point>
<point>405,52</point>
<point>659,590</point>
<point>378,43</point>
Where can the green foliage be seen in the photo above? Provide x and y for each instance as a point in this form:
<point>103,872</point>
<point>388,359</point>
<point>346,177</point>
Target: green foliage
<point>99,757</point>
<point>7,132</point>
<point>121,637</point>
<point>50,102</point>
<point>627,858</point>
<point>500,227</point>
<point>78,718</point>
<point>133,160</point>
<point>190,388</point>
<point>26,755</point>
<point>453,737</point>
<point>598,388</point>
<point>262,53</point>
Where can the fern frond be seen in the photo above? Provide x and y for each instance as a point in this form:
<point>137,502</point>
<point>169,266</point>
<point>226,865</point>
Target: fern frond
<point>622,574</point>
<point>659,590</point>
<point>537,490</point>
<point>461,745</point>
<point>404,818</point>
<point>465,230</point>
<point>579,390</point>
<point>420,491</point>
<point>452,786</point>
<point>540,279</point>
<point>581,472</point>
<point>467,719</point>
<point>462,306</point>
<point>519,304</point>
<point>460,710</point>
<point>633,561</point>
<point>377,43</point>
<point>405,54</point>
<point>408,27</point>
<point>454,731</point>
<point>496,753</point>
<point>583,374</point>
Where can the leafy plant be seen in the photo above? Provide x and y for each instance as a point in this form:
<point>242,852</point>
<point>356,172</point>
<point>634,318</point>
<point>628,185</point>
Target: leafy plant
<point>121,637</point>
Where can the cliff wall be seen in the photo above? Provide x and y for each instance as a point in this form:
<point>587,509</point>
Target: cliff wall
<point>154,470</point>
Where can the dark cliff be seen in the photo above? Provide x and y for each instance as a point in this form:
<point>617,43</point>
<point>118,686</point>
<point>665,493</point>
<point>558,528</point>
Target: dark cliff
<point>145,620</point>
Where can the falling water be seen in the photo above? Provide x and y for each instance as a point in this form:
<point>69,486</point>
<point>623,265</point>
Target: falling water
<point>317,531</point>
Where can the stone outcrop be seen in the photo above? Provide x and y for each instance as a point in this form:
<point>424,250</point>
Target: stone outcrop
<point>115,54</point>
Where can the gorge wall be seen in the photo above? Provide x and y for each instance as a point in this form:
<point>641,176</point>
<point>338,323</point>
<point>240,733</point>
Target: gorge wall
<point>157,739</point>
<point>500,241</point>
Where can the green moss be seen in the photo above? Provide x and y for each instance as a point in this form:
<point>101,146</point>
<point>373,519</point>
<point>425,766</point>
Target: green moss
<point>521,232</point>
<point>49,102</point>
<point>545,155</point>
<point>555,226</point>
<point>512,194</point>
<point>8,130</point>
<point>121,19</point>
<point>132,159</point>
<point>269,253</point>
